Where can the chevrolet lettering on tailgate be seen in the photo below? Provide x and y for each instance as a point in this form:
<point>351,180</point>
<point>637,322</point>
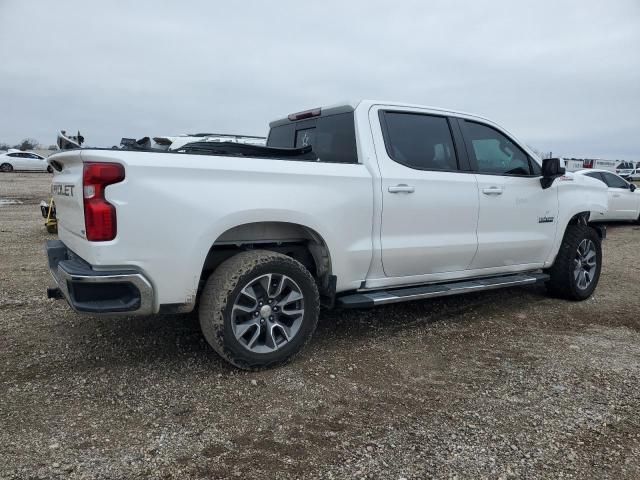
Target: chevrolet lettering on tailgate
<point>62,189</point>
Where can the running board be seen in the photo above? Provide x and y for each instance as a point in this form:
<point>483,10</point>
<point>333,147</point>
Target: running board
<point>383,297</point>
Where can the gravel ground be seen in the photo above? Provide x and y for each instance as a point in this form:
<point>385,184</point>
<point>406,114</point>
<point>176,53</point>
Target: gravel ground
<point>504,384</point>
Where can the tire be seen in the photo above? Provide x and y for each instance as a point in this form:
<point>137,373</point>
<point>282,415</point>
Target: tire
<point>6,168</point>
<point>566,281</point>
<point>227,307</point>
<point>49,169</point>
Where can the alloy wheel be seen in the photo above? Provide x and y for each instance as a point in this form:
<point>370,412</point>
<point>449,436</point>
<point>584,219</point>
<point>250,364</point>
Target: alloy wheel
<point>585,264</point>
<point>267,313</point>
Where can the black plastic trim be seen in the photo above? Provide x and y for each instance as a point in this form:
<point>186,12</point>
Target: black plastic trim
<point>97,291</point>
<point>100,297</point>
<point>175,308</point>
<point>328,296</point>
<point>461,148</point>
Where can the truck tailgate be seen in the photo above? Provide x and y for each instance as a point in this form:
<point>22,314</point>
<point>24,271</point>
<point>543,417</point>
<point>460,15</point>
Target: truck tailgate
<point>66,189</point>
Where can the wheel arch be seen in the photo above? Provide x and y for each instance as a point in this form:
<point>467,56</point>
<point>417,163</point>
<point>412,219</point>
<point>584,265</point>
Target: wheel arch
<point>295,240</point>
<point>580,218</point>
<point>583,218</point>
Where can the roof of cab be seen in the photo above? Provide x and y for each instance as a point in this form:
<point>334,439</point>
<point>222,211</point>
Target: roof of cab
<point>350,106</point>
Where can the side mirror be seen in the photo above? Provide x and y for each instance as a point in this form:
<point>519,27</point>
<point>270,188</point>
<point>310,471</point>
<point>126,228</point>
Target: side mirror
<point>632,187</point>
<point>551,169</point>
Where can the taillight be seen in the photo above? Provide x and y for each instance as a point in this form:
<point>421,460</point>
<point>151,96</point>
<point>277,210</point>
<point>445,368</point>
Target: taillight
<point>99,215</point>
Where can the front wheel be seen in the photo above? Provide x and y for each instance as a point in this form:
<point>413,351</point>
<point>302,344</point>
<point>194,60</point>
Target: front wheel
<point>259,308</point>
<point>576,270</point>
<point>49,169</point>
<point>6,167</point>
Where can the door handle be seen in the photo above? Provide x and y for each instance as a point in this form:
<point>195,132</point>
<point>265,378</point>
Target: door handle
<point>493,191</point>
<point>402,188</point>
<point>616,195</point>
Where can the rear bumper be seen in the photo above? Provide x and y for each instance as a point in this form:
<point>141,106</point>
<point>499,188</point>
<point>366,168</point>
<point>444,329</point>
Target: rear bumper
<point>98,291</point>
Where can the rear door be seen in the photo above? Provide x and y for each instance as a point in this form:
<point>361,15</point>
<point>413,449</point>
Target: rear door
<point>518,218</point>
<point>429,196</point>
<point>17,160</point>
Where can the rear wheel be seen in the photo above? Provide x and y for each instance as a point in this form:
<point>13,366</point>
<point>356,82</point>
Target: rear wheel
<point>576,270</point>
<point>6,167</point>
<point>259,308</point>
<point>49,169</point>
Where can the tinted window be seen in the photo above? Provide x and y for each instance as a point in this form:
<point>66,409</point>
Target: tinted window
<point>13,155</point>
<point>305,137</point>
<point>596,175</point>
<point>536,169</point>
<point>495,153</point>
<point>333,137</point>
<point>614,181</point>
<point>419,141</point>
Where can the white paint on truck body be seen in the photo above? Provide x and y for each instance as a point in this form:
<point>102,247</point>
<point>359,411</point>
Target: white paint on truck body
<point>171,208</point>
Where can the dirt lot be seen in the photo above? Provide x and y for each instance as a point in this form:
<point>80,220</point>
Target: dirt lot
<point>497,385</point>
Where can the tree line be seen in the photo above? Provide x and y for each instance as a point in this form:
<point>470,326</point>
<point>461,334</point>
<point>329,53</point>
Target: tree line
<point>26,144</point>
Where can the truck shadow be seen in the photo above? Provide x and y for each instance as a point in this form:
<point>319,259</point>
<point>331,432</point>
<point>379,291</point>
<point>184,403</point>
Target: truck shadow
<point>174,339</point>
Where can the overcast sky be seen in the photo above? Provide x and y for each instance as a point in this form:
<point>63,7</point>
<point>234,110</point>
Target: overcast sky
<point>563,76</point>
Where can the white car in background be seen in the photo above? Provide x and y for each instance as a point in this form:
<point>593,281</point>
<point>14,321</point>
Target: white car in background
<point>15,160</point>
<point>624,199</point>
<point>625,169</point>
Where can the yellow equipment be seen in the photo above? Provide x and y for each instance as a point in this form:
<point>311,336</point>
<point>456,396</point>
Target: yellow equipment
<point>48,211</point>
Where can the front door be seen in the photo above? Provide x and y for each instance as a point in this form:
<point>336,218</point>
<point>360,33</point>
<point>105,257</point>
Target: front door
<point>518,218</point>
<point>429,204</point>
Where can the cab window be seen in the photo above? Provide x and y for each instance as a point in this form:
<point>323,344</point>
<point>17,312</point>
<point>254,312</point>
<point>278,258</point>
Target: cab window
<point>419,141</point>
<point>494,153</point>
<point>596,175</point>
<point>614,181</point>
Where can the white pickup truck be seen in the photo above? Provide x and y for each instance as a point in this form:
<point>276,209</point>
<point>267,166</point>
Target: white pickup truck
<point>354,205</point>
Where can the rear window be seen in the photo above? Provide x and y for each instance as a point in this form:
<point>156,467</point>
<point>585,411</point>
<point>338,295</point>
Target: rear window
<point>332,138</point>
